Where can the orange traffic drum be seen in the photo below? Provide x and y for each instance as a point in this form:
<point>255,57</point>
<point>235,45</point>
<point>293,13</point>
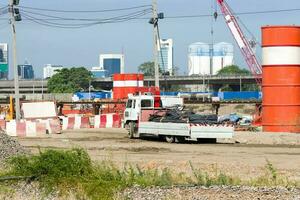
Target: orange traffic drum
<point>281,78</point>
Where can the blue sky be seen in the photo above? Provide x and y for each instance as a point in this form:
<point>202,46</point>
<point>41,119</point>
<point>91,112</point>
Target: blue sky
<point>41,45</point>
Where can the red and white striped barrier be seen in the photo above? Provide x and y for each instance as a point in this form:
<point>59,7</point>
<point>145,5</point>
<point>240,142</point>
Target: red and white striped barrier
<point>76,122</point>
<point>2,124</point>
<point>112,120</point>
<point>52,125</point>
<point>25,128</point>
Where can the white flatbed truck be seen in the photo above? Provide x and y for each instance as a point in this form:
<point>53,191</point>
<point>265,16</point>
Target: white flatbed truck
<point>136,121</point>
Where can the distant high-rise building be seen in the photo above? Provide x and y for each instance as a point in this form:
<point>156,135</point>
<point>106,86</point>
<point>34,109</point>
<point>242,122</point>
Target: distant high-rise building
<point>50,70</point>
<point>98,72</point>
<point>3,61</point>
<point>25,71</point>
<point>112,63</point>
<point>165,56</point>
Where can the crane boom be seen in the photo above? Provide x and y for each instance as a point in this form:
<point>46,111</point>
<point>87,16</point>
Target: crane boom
<point>241,40</point>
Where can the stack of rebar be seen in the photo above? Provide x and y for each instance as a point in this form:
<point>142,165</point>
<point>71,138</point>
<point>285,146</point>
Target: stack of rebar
<point>181,116</point>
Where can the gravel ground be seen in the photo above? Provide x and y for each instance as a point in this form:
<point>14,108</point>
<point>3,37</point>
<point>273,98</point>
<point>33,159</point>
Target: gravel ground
<point>25,191</point>
<point>211,193</point>
<point>9,147</point>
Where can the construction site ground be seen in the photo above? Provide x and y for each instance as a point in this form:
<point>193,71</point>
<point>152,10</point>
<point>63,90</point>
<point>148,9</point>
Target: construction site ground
<point>245,155</point>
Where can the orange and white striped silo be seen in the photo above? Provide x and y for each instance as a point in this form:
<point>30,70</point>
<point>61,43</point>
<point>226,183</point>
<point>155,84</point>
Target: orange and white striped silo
<point>281,78</point>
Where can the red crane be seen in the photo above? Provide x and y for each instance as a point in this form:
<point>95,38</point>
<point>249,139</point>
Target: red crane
<point>241,40</point>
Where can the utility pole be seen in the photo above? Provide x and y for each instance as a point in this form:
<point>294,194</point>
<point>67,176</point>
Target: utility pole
<point>15,16</point>
<point>89,90</point>
<point>203,99</point>
<point>240,83</point>
<point>155,38</point>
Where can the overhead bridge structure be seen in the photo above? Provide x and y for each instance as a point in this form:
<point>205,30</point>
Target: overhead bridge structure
<point>214,82</point>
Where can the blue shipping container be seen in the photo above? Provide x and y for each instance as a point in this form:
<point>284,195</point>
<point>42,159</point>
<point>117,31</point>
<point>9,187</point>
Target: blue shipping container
<point>93,95</point>
<point>239,95</point>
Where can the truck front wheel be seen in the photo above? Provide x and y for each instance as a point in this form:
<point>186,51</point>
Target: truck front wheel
<point>132,130</point>
<point>170,139</point>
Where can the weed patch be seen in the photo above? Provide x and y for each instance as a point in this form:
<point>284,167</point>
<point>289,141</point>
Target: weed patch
<point>73,172</point>
<point>220,178</point>
<point>273,178</point>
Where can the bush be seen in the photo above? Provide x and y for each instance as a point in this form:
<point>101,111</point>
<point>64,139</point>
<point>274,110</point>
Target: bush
<point>53,168</point>
<point>62,171</point>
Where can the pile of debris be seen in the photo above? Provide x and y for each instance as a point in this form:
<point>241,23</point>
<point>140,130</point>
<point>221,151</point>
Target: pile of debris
<point>9,147</point>
<point>178,115</point>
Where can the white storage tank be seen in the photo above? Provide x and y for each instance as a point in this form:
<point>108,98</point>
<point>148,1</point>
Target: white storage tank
<point>199,59</point>
<point>222,56</point>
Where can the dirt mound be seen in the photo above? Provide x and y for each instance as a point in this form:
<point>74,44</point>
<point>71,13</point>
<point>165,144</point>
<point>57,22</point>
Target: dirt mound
<point>9,147</point>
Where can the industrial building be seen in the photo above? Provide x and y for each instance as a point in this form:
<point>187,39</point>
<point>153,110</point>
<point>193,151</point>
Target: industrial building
<point>25,71</point>
<point>98,72</point>
<point>49,70</point>
<point>199,59</point>
<point>112,63</point>
<point>222,56</point>
<point>206,59</point>
<point>3,61</point>
<point>165,56</point>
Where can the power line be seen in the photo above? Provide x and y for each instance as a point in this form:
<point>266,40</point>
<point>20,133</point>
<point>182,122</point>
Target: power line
<point>116,19</point>
<point>239,13</point>
<point>166,17</point>
<point>187,16</point>
<point>268,11</point>
<point>85,11</point>
<point>51,17</point>
<point>173,17</point>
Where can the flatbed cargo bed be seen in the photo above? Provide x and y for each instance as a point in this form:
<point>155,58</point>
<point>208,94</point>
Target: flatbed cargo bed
<point>191,131</point>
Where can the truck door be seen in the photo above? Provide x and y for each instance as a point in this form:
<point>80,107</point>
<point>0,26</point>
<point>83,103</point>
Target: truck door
<point>134,110</point>
<point>127,113</point>
<point>131,111</point>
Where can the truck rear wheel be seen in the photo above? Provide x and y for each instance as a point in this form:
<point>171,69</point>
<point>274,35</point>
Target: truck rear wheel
<point>179,139</point>
<point>207,140</point>
<point>170,139</point>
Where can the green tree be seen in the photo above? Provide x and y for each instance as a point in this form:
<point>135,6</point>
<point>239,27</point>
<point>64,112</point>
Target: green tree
<point>70,80</point>
<point>236,70</point>
<point>147,68</point>
<point>233,70</point>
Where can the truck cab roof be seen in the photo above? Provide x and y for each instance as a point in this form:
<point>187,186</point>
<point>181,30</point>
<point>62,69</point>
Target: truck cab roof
<point>140,97</point>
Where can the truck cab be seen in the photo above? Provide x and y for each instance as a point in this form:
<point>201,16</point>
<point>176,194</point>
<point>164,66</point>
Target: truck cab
<point>140,107</point>
<point>134,106</point>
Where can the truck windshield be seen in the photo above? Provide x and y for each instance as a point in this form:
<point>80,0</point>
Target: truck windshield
<point>129,103</point>
<point>146,103</point>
